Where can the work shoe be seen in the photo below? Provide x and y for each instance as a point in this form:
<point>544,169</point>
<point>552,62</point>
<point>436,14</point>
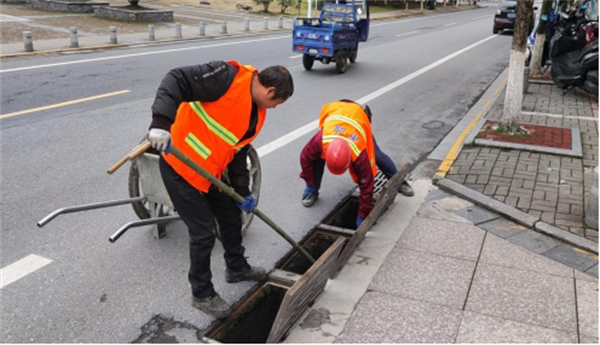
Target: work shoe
<point>212,305</point>
<point>253,273</point>
<point>406,189</point>
<point>308,202</point>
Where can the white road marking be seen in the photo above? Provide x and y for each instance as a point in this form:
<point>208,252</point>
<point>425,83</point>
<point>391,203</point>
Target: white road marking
<point>486,16</point>
<point>450,24</point>
<point>140,54</point>
<point>288,138</point>
<point>21,268</point>
<point>407,33</point>
<point>296,56</point>
<point>414,20</point>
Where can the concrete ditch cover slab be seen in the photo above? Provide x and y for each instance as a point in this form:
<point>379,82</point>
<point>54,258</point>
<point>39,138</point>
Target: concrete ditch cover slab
<point>572,257</point>
<point>502,227</point>
<point>476,214</point>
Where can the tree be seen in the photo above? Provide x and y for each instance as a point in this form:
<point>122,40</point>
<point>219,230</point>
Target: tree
<point>285,4</point>
<point>540,39</point>
<point>264,3</point>
<point>514,90</point>
<point>133,2</point>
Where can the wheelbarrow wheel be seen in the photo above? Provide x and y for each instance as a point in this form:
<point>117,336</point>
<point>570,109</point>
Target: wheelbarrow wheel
<point>142,209</point>
<point>341,61</point>
<point>253,163</point>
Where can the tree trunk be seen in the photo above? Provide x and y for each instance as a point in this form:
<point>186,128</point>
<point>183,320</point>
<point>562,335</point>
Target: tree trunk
<point>514,90</point>
<point>540,40</point>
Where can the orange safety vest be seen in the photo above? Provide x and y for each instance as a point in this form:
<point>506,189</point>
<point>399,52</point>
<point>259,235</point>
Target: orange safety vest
<point>209,132</point>
<point>348,121</point>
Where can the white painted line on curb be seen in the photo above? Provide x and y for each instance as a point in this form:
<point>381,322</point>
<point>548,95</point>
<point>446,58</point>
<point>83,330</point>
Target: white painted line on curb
<point>21,268</point>
<point>407,33</point>
<point>450,24</point>
<point>141,54</point>
<point>288,138</point>
<point>296,56</point>
<point>559,116</point>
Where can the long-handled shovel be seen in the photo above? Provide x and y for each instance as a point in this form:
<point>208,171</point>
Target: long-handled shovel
<point>220,184</point>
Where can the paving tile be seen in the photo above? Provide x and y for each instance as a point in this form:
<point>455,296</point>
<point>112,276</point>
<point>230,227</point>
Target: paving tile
<point>498,251</point>
<point>571,257</point>
<point>502,227</point>
<point>483,329</point>
<point>476,214</point>
<point>437,194</point>
<point>593,271</point>
<point>458,240</point>
<point>586,276</point>
<point>587,307</point>
<point>588,340</point>
<point>383,318</point>
<point>524,296</point>
<point>424,277</point>
<point>534,241</point>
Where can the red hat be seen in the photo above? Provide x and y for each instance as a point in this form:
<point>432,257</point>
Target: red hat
<point>338,156</point>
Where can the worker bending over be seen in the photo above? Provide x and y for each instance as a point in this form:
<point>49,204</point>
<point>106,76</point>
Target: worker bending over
<point>345,141</point>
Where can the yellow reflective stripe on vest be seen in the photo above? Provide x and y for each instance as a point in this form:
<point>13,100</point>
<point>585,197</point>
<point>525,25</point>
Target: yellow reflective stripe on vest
<point>353,147</point>
<point>349,121</point>
<point>197,145</point>
<point>213,125</point>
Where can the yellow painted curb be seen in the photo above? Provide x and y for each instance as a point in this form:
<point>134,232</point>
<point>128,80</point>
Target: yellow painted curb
<point>455,150</point>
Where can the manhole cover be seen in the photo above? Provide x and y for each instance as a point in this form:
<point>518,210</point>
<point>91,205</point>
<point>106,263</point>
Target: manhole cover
<point>433,125</point>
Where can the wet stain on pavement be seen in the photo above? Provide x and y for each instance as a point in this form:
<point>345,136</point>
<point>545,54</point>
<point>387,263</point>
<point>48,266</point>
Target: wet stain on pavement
<point>433,125</point>
<point>315,318</point>
<point>103,298</point>
<point>161,329</point>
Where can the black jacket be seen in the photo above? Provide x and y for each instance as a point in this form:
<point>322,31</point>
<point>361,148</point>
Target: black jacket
<point>204,83</point>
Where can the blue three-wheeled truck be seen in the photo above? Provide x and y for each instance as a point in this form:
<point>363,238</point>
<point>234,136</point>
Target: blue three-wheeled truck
<point>334,35</point>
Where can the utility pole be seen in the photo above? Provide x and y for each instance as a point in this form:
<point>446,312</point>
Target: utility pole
<point>514,90</point>
<point>540,39</point>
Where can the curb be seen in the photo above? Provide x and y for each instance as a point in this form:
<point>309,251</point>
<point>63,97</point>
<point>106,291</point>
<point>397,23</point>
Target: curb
<point>122,45</point>
<point>516,215</point>
<point>113,46</point>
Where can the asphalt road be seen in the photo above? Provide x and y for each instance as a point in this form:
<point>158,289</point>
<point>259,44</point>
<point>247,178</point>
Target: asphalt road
<point>92,291</point>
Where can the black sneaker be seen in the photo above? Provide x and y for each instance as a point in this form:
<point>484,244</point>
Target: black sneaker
<point>213,305</point>
<point>253,273</point>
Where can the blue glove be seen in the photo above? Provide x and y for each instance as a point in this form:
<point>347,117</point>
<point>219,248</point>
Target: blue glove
<point>359,221</point>
<point>309,191</point>
<point>249,205</point>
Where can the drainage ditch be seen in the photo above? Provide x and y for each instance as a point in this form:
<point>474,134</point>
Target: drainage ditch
<point>252,321</point>
<point>316,244</point>
<point>344,216</point>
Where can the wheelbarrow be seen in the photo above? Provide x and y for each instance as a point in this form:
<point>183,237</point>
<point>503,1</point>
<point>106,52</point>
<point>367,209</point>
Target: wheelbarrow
<point>149,198</point>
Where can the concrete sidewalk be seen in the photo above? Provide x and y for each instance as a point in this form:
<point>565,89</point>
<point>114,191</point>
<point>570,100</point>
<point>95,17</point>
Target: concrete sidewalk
<point>438,269</point>
<point>50,30</point>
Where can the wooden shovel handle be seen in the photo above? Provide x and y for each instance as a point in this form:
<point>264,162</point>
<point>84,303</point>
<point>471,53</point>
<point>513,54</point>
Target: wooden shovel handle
<point>137,151</point>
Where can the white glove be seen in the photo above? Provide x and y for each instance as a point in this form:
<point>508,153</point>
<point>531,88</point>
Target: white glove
<point>160,139</point>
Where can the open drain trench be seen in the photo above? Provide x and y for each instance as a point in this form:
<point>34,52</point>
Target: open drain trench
<point>269,311</point>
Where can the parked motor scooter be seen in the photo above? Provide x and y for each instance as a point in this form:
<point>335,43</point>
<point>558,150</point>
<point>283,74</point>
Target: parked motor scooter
<point>574,53</point>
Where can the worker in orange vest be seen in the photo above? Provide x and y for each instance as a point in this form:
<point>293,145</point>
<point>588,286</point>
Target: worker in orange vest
<point>211,112</point>
<point>345,141</point>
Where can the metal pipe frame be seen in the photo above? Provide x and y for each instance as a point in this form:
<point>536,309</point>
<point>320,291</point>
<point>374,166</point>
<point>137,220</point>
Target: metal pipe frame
<point>139,223</point>
<point>94,206</point>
